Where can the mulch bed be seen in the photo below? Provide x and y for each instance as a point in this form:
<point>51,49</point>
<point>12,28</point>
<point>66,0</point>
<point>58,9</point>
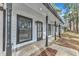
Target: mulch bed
<point>48,52</point>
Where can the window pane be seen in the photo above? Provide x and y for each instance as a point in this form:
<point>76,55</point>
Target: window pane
<point>49,29</point>
<point>24,28</point>
<point>39,31</point>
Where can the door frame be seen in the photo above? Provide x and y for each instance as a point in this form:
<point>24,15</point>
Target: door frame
<point>41,29</point>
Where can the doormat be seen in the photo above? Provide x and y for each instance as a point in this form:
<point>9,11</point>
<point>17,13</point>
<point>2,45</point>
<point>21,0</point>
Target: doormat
<point>48,52</point>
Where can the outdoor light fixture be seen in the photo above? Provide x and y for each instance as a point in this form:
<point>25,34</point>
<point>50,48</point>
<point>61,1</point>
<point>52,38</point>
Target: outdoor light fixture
<point>1,6</point>
<point>40,9</point>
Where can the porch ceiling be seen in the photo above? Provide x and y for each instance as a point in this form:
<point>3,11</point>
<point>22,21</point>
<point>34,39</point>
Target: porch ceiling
<point>40,8</point>
<point>36,7</point>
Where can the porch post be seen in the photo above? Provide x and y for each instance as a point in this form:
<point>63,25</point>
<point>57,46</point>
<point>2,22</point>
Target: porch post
<point>4,28</point>
<point>9,14</point>
<point>46,31</point>
<point>70,24</point>
<point>55,30</point>
<point>59,30</point>
<point>77,19</point>
<point>77,25</point>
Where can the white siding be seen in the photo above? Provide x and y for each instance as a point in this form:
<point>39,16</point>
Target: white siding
<point>26,11</point>
<point>1,31</point>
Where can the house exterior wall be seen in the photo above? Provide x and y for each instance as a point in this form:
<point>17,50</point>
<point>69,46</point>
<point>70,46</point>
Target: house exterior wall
<point>26,11</point>
<point>62,30</point>
<point>1,31</point>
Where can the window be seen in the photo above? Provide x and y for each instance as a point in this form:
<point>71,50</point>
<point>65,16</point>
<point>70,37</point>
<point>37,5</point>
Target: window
<point>24,29</point>
<point>49,29</point>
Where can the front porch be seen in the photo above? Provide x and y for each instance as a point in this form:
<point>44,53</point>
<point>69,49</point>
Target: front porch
<point>33,49</point>
<point>25,39</point>
<point>36,48</point>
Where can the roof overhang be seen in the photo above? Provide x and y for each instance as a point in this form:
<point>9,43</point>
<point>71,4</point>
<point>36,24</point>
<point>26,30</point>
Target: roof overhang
<point>52,10</point>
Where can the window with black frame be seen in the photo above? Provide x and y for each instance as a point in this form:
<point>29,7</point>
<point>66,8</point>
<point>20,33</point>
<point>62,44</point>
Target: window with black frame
<point>24,29</point>
<point>49,29</point>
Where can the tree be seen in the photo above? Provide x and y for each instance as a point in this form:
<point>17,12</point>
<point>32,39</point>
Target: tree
<point>73,13</point>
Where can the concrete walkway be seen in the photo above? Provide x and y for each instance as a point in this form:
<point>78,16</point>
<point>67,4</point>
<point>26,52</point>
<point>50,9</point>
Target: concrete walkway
<point>32,49</point>
<point>68,45</point>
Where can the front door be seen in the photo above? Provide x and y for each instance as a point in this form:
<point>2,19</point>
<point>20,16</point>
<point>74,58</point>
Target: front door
<point>39,30</point>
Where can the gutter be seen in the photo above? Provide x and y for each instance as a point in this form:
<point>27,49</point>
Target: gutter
<point>49,7</point>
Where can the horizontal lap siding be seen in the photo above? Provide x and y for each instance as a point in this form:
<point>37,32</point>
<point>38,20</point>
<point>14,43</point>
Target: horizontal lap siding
<point>1,31</point>
<point>27,12</point>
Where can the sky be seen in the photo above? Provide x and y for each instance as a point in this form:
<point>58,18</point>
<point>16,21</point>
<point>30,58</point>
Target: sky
<point>62,7</point>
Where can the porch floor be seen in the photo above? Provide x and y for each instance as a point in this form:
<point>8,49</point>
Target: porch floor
<point>67,45</point>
